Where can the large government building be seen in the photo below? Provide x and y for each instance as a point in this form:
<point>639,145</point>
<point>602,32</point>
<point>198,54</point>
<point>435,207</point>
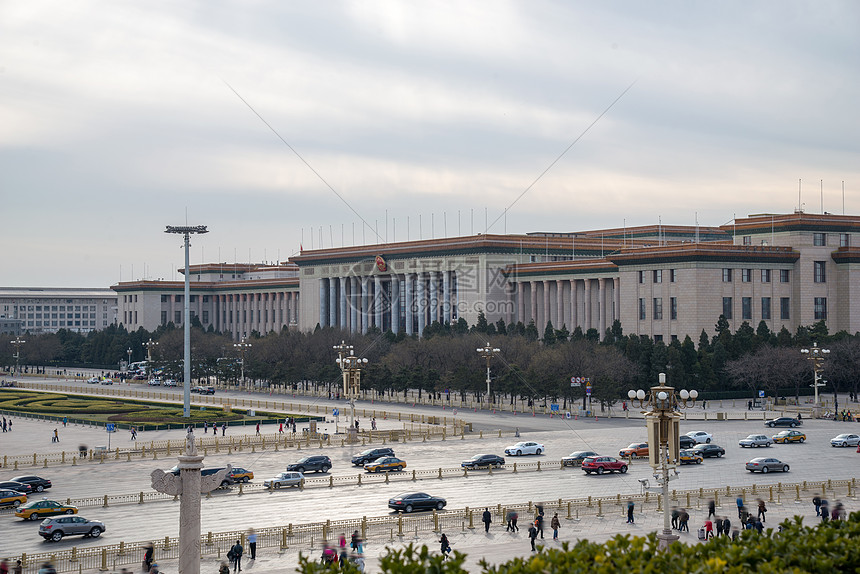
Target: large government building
<point>49,309</point>
<point>662,281</point>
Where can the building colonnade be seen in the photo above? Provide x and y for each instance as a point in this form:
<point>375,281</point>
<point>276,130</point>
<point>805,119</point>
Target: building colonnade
<point>586,303</point>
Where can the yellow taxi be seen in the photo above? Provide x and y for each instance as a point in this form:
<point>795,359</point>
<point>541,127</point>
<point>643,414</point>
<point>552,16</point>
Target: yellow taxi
<point>239,474</point>
<point>385,464</point>
<point>38,509</point>
<point>12,498</point>
<point>690,457</point>
<point>789,436</point>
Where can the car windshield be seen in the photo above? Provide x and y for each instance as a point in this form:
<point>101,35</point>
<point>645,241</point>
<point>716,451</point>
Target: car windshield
<point>306,459</point>
<point>844,436</point>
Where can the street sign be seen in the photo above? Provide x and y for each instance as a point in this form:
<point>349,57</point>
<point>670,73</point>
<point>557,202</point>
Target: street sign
<point>335,412</point>
<point>553,407</point>
<point>110,427</point>
<point>588,390</point>
<point>574,379</point>
<point>575,385</point>
<point>761,394</point>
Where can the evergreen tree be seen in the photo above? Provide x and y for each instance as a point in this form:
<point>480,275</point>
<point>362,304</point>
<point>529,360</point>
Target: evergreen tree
<point>481,325</point>
<point>561,335</point>
<point>704,343</point>
<point>592,335</point>
<point>577,334</point>
<point>501,328</point>
<point>531,332</point>
<point>549,335</point>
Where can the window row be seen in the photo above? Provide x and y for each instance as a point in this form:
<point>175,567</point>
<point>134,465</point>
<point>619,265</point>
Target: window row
<point>657,309</point>
<point>657,276</point>
<point>747,275</point>
<point>31,308</point>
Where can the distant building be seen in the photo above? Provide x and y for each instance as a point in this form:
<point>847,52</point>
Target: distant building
<point>10,326</point>
<point>48,309</point>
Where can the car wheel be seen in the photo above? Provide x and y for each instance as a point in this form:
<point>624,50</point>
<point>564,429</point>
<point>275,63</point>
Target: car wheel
<point>40,488</point>
<point>708,441</point>
<point>801,440</point>
<point>623,469</point>
<point>792,425</point>
<point>95,532</point>
<point>276,485</point>
<point>16,504</point>
<point>34,516</point>
<point>785,468</point>
<point>770,425</point>
<point>408,508</point>
<point>225,483</point>
<point>519,453</point>
<point>57,536</point>
<point>719,454</point>
<point>246,480</point>
<point>600,470</point>
<point>698,461</point>
<point>326,468</point>
<point>439,506</point>
<point>764,469</point>
<point>300,469</point>
<point>537,451</point>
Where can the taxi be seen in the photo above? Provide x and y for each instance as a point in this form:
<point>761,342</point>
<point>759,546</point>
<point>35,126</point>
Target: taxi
<point>789,436</point>
<point>239,474</point>
<point>12,498</point>
<point>385,464</point>
<point>635,450</point>
<point>690,457</point>
<point>37,509</point>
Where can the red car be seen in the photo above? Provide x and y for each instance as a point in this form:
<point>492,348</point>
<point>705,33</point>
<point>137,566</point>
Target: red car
<point>601,464</point>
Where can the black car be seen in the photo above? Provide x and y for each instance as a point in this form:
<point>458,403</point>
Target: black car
<point>317,463</point>
<point>483,461</point>
<point>226,481</point>
<point>575,458</point>
<point>37,483</point>
<point>370,455</point>
<point>783,422</point>
<point>707,450</point>
<point>21,487</point>
<point>685,442</point>
<point>410,501</point>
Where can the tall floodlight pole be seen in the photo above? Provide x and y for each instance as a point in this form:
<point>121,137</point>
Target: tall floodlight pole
<point>150,345</point>
<point>242,346</point>
<point>186,232</point>
<point>18,342</point>
<point>488,352</point>
<point>129,359</point>
<point>662,418</point>
<point>817,356</point>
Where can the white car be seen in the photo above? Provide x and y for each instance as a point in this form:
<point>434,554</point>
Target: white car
<point>155,382</point>
<point>170,383</point>
<point>522,448</point>
<point>700,436</point>
<point>93,381</point>
<point>284,479</point>
<point>107,381</point>
<point>845,440</point>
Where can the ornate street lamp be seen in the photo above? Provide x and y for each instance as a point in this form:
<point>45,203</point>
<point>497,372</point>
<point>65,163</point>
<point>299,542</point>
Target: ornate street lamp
<point>817,357</point>
<point>662,419</point>
<point>242,346</point>
<point>488,352</point>
<point>350,367</point>
<point>18,342</point>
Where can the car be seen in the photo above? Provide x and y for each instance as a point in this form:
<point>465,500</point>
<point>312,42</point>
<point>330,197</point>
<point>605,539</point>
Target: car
<point>55,528</point>
<point>789,436</point>
<point>203,390</point>
<point>239,474</point>
<point>170,383</point>
<point>154,382</point>
<point>37,483</point>
<point>226,481</point>
<point>107,382</point>
<point>371,454</point>
<point>12,498</point>
<point>93,381</point>
<point>685,441</point>
<point>690,456</point>
<point>385,464</point>
<point>601,464</point>
<point>755,440</point>
<point>21,487</point>
<point>765,465</point>
<point>634,450</point>
<point>526,447</point>
<point>709,450</point>
<point>576,457</point>
<point>284,479</point>
<point>483,460</point>
<point>845,439</point>
<point>139,377</point>
<point>700,436</point>
<point>318,463</point>
<point>783,422</point>
<point>36,509</point>
<point>409,501</point>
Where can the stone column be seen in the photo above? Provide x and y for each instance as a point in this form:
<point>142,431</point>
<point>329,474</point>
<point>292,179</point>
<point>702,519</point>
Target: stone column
<point>601,306</point>
<point>332,302</point>
<point>323,306</point>
<point>521,302</point>
<point>587,323</point>
<point>434,297</point>
<point>533,297</point>
<point>559,303</point>
<point>342,300</point>
<point>395,304</point>
<point>446,296</point>
<point>354,305</point>
<point>378,302</point>
<point>294,301</point>
<point>422,304</point>
<point>547,307</point>
<point>616,294</point>
<point>365,304</point>
<point>410,303</point>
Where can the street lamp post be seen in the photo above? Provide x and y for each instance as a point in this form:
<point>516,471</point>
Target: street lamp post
<point>186,231</point>
<point>488,352</point>
<point>817,356</point>
<point>662,420</point>
<point>350,367</point>
<point>128,364</point>
<point>18,342</point>
<point>242,346</point>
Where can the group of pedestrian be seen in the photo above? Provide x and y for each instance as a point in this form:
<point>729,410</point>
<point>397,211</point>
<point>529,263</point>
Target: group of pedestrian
<point>340,556</point>
<point>56,436</point>
<point>680,519</point>
<point>17,569</point>
<point>7,425</point>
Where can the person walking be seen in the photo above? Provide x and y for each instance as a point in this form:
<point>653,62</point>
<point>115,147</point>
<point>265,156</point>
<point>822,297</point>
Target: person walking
<point>683,519</point>
<point>223,429</point>
<point>630,507</point>
<point>740,502</point>
<point>762,510</point>
<point>445,546</point>
<point>816,502</point>
<point>252,543</point>
<point>18,568</point>
<point>235,556</point>
<point>533,532</point>
<point>555,524</point>
<point>514,517</point>
<point>56,437</point>
<point>148,556</point>
<point>712,508</point>
<point>258,428</point>
<point>280,428</point>
<point>675,514</point>
<point>486,518</point>
<point>223,569</point>
<point>539,524</point>
<point>825,510</point>
<point>709,529</point>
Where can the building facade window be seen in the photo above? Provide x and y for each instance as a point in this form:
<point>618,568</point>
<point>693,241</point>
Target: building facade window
<point>672,276</point>
<point>746,308</point>
<point>747,239</point>
<point>819,239</point>
<point>820,271</point>
<point>641,309</point>
<point>820,308</point>
<point>727,307</point>
<point>164,317</point>
<point>658,308</point>
<point>727,275</point>
<point>784,275</point>
<point>765,308</point>
<point>673,308</point>
<point>177,298</point>
<point>205,316</point>
<point>177,317</point>
<point>785,308</point>
<point>746,275</point>
<point>658,276</point>
<point>765,275</point>
<point>844,240</point>
<point>642,277</point>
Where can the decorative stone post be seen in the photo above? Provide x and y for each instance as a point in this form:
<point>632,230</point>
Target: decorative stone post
<point>188,486</point>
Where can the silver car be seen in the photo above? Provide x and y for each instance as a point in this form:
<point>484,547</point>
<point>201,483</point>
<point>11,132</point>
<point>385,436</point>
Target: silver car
<point>55,528</point>
<point>845,440</point>
<point>284,479</point>
<point>756,440</point>
<point>765,465</point>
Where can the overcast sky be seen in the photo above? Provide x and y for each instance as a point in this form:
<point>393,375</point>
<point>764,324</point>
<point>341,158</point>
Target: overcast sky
<point>116,119</point>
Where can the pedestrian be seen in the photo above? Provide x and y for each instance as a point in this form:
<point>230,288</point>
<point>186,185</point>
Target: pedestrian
<point>539,524</point>
<point>712,508</point>
<point>353,542</point>
<point>675,514</point>
<point>82,451</point>
<point>486,518</point>
<point>445,547</point>
<point>65,421</point>
<point>258,428</point>
<point>555,524</point>
<point>205,427</point>
<point>4,567</point>
<point>759,526</point>
<point>294,426</point>
<point>148,556</point>
<point>10,424</point>
<point>19,567</point>
<point>816,502</point>
<point>740,502</point>
<point>718,525</point>
<point>281,427</point>
<point>834,514</point>
<point>373,423</point>
<point>735,533</point>
<point>252,543</point>
<point>514,517</point>
<point>749,405</point>
<point>223,429</point>
<point>533,532</point>
<point>683,519</point>
<point>235,556</point>
<point>624,406</point>
<point>762,510</point>
<point>56,437</point>
<point>630,507</point>
<point>709,529</point>
<point>825,510</point>
<point>223,569</point>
